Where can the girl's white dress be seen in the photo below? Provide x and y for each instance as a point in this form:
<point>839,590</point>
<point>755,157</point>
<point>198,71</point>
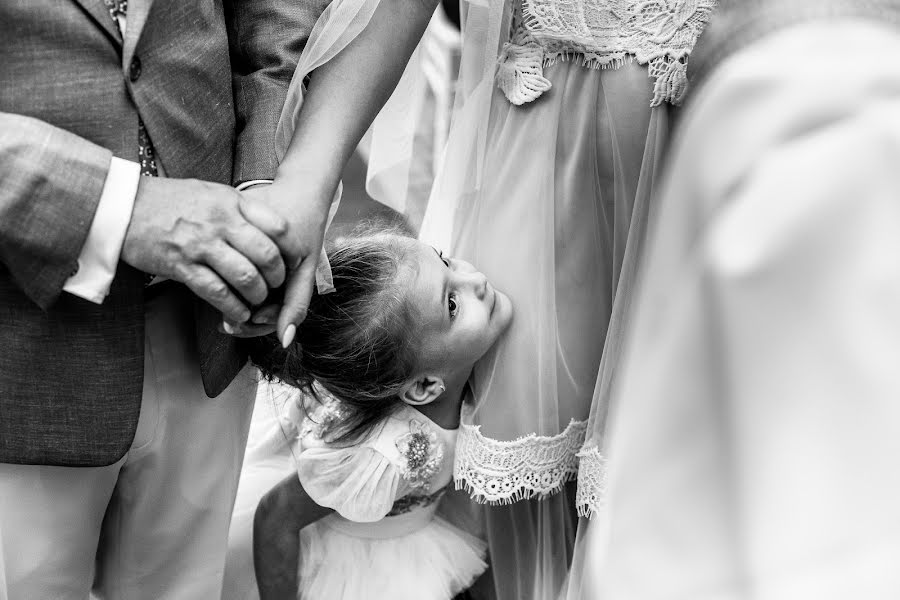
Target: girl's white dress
<point>384,540</point>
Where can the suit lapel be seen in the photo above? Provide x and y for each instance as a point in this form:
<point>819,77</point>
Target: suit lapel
<point>137,18</point>
<point>98,10</point>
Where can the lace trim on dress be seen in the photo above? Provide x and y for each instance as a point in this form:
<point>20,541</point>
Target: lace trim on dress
<point>591,494</point>
<point>607,33</point>
<point>503,472</point>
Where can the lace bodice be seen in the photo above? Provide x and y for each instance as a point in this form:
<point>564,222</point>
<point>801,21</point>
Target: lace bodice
<point>604,33</point>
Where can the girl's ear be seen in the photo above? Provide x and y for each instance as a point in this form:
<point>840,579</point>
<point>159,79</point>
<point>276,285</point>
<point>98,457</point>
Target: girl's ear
<point>423,390</point>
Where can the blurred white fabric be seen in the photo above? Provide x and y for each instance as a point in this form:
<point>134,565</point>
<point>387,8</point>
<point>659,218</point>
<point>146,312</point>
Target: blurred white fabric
<point>755,432</point>
<point>404,145</point>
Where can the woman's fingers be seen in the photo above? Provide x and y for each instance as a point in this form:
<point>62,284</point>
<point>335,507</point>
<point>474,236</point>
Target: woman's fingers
<point>297,294</point>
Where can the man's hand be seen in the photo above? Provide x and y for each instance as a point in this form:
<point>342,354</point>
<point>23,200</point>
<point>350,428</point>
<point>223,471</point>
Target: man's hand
<point>194,232</point>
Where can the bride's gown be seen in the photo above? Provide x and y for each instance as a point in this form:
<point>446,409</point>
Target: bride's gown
<point>552,158</point>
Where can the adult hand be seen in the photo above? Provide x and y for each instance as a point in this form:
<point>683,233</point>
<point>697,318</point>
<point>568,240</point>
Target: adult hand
<point>194,232</point>
<point>306,214</point>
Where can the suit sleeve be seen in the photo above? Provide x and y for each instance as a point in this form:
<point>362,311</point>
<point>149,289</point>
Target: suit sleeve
<point>266,38</point>
<point>52,183</point>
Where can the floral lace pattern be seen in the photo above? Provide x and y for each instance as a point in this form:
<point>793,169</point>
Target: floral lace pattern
<point>605,33</point>
<point>412,502</point>
<point>423,452</point>
<point>500,472</point>
<point>591,494</point>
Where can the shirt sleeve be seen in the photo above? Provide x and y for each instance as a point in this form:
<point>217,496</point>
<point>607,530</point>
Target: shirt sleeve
<point>100,253</point>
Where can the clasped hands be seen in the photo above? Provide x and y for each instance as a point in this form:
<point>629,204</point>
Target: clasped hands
<point>232,248</point>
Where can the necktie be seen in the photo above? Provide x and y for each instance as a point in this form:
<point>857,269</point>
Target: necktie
<point>118,10</point>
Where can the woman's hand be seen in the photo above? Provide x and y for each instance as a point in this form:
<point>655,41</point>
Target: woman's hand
<point>299,234</point>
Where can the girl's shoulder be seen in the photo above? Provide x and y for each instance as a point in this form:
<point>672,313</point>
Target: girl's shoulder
<point>404,437</point>
<point>418,448</point>
<point>404,454</point>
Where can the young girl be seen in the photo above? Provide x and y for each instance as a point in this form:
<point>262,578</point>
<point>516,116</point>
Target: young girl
<point>380,368</point>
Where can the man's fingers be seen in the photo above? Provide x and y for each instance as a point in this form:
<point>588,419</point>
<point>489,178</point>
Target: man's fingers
<point>237,271</point>
<point>260,250</point>
<point>246,330</point>
<point>209,286</point>
<point>297,293</point>
<point>267,315</point>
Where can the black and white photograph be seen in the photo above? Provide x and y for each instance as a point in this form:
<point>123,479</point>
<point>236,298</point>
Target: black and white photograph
<point>449,299</point>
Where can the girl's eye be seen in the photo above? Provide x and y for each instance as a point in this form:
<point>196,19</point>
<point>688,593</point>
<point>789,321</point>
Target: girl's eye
<point>452,304</point>
<point>446,261</point>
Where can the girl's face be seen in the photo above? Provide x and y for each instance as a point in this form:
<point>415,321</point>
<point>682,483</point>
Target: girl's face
<point>459,314</point>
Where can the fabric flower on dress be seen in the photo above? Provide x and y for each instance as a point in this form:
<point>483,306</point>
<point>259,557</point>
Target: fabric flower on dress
<point>319,417</point>
<point>423,452</point>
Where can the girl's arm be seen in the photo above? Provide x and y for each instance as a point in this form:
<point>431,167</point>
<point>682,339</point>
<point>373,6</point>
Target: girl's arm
<point>281,514</point>
<point>344,96</point>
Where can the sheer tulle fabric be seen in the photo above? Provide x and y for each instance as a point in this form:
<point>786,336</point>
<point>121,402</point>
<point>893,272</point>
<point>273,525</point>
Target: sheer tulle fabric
<point>403,146</point>
<point>549,212</point>
<point>437,561</point>
<point>359,483</point>
<point>338,25</point>
<point>414,116</point>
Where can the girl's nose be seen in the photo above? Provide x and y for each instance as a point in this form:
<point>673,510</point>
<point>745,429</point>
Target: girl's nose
<point>478,282</point>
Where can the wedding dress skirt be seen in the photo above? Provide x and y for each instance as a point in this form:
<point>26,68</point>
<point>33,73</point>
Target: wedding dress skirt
<point>554,151</point>
<point>564,195</point>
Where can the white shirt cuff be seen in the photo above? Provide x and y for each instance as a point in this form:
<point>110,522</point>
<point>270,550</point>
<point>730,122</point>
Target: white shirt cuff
<point>100,253</point>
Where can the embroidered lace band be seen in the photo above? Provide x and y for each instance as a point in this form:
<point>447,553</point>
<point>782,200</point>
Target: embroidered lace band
<point>591,494</point>
<point>605,33</point>
<point>502,472</point>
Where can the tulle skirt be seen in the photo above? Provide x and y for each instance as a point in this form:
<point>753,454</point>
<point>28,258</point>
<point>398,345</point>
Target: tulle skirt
<point>435,562</point>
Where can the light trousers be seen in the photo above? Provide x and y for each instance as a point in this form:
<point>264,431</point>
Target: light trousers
<point>155,523</point>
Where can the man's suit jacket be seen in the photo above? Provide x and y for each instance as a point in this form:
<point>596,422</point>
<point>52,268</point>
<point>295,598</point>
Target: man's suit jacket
<point>208,78</point>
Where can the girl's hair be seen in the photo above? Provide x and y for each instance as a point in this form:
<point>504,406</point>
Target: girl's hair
<point>356,341</point>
